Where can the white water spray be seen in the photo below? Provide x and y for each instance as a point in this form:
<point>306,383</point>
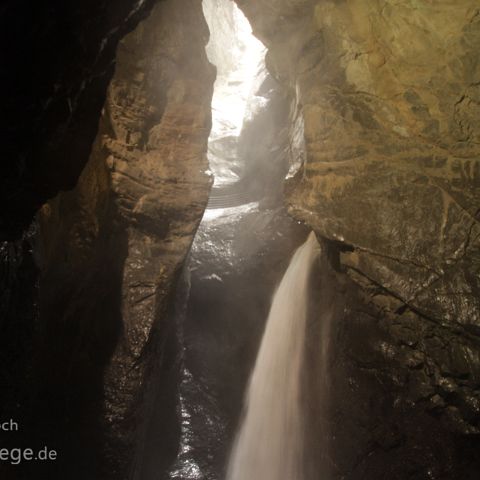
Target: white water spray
<point>269,444</point>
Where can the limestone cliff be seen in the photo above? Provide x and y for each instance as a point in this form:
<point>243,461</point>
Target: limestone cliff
<point>388,95</point>
<point>113,247</point>
<point>386,156</point>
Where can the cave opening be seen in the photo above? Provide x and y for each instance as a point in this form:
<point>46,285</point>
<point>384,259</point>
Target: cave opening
<point>240,249</point>
<point>239,58</point>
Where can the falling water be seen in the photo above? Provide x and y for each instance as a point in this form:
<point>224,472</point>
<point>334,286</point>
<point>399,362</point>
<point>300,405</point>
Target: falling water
<point>269,444</point>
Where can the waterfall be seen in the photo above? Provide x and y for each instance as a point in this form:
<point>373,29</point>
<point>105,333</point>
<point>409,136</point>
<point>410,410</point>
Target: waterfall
<point>269,443</point>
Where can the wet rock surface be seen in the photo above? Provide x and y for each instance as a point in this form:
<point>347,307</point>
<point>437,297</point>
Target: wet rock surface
<point>238,258</point>
<point>240,253</point>
<point>403,402</point>
<point>385,163</point>
<point>391,167</point>
<point>384,156</point>
<point>110,253</point>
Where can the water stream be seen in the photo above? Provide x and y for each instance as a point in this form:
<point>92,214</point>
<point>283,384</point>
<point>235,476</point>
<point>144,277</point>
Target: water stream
<point>269,444</point>
<point>239,253</point>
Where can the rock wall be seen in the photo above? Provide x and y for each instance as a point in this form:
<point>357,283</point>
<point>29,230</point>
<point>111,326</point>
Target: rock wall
<point>387,159</point>
<point>111,252</point>
<point>385,167</point>
<point>58,61</point>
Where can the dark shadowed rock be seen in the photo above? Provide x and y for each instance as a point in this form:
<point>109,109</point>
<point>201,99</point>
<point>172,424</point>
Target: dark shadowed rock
<point>59,58</point>
<point>112,249</point>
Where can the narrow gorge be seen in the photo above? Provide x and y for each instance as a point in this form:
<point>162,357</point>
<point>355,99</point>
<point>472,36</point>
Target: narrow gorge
<point>164,161</point>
